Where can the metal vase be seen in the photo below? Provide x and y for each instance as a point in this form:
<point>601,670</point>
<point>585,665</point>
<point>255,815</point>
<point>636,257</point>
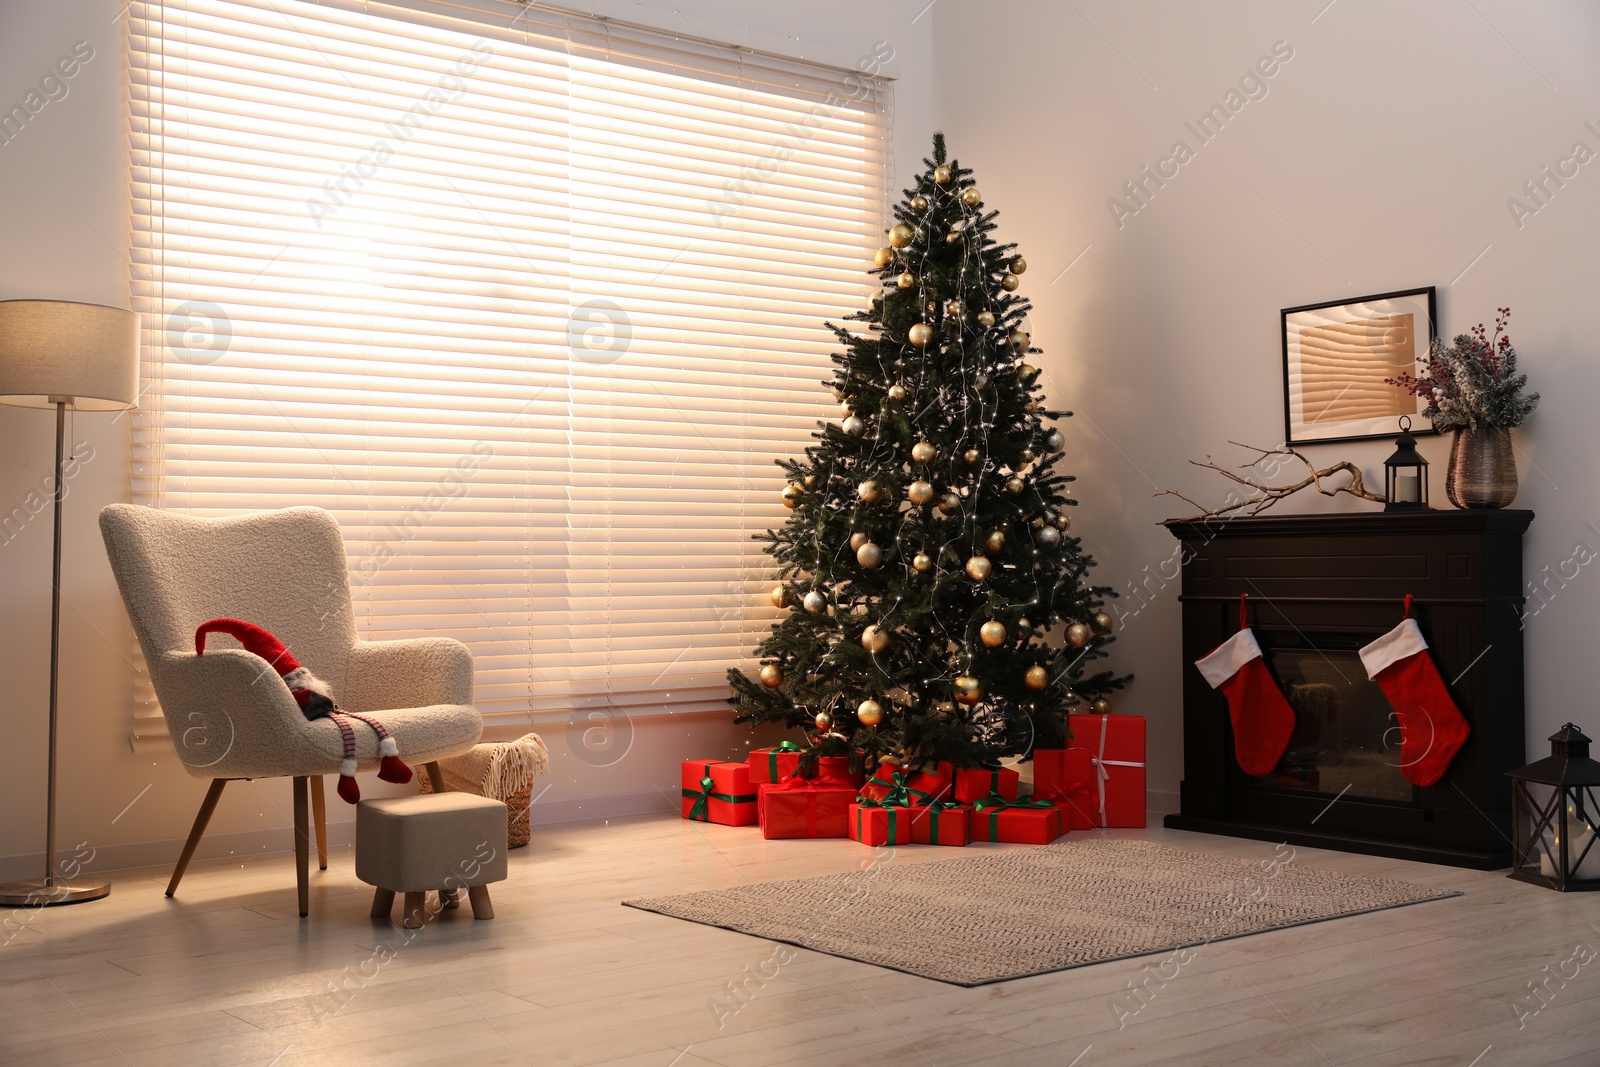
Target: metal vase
<point>1483,469</point>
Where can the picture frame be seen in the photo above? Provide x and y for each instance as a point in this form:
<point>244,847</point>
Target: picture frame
<point>1336,356</point>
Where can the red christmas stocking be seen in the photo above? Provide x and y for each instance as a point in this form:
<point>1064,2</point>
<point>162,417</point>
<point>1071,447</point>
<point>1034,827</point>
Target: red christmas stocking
<point>1262,718</point>
<point>1431,728</point>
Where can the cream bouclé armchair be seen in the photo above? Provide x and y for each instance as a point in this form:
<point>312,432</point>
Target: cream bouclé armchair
<point>229,714</point>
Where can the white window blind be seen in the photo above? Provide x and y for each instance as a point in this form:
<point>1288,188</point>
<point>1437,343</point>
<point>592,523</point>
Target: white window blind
<point>530,301</point>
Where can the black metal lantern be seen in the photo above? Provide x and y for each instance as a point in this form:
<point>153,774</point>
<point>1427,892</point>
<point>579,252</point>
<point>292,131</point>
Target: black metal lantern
<point>1553,816</point>
<point>1405,474</point>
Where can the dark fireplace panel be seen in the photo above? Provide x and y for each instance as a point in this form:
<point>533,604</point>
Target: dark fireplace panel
<point>1320,587</point>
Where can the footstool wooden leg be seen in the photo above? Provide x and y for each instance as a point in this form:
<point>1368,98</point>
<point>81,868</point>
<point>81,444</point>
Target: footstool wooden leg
<point>382,903</point>
<point>450,899</point>
<point>481,907</point>
<point>416,906</point>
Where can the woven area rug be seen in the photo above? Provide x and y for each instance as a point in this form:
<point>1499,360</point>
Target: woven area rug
<point>1004,915</point>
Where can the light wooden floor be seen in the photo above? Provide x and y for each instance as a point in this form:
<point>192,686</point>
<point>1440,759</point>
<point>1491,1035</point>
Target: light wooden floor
<point>228,974</point>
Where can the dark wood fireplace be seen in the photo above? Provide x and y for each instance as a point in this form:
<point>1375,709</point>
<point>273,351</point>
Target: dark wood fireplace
<point>1320,587</point>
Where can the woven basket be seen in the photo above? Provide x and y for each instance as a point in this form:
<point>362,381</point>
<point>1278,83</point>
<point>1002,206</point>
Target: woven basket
<point>502,771</point>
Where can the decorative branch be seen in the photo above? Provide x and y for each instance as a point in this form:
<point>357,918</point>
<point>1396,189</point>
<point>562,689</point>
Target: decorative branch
<point>1271,494</point>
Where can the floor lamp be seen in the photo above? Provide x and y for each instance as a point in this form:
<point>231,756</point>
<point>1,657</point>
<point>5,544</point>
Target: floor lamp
<point>59,354</point>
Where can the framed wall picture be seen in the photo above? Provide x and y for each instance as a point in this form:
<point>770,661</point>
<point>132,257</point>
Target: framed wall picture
<point>1336,357</point>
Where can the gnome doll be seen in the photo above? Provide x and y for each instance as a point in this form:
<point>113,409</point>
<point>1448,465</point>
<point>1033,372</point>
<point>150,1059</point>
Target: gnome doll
<point>315,700</point>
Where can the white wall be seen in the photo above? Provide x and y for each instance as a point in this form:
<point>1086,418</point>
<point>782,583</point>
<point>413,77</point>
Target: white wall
<point>1381,157</point>
<point>64,219</point>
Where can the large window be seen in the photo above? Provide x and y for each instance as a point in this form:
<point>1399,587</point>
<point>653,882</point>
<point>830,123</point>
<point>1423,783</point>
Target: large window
<point>530,302</point>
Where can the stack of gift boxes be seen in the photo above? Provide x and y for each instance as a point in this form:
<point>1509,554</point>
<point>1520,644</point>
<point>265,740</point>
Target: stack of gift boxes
<point>1099,782</point>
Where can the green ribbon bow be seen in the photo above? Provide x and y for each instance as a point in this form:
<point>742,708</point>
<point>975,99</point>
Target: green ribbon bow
<point>898,795</point>
<point>772,756</point>
<point>994,804</point>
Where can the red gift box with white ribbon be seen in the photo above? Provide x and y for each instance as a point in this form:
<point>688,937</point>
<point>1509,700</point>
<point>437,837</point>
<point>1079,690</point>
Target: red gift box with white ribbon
<point>1117,755</point>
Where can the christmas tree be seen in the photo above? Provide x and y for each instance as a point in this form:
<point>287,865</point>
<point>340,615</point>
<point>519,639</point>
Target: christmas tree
<point>928,561</point>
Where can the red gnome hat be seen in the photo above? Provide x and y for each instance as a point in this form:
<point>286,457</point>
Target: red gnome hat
<point>315,699</point>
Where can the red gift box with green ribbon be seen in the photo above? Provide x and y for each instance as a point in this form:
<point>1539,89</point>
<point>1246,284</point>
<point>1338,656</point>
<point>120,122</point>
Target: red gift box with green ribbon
<point>1063,776</point>
<point>893,785</point>
<point>773,765</point>
<point>719,792</point>
<point>806,807</point>
<point>975,783</point>
<point>1116,752</point>
<point>1025,822</point>
<point>941,823</point>
<point>874,823</point>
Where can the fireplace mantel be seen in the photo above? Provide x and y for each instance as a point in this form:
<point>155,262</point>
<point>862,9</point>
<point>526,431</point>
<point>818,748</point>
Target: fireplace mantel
<point>1320,586</point>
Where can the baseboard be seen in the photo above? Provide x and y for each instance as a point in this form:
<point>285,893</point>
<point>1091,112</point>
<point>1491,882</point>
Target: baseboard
<point>1160,802</point>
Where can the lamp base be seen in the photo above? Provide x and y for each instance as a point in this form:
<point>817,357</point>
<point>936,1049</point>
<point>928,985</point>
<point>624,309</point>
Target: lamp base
<point>34,893</point>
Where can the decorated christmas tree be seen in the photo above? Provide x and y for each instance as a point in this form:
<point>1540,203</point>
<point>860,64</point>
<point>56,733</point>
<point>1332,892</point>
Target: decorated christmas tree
<point>938,604</point>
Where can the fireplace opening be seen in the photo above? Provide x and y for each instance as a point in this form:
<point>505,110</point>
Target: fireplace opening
<point>1346,737</point>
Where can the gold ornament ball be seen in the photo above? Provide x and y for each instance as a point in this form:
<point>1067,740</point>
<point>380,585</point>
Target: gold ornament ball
<point>986,319</point>
<point>815,602</point>
<point>823,720</point>
<point>853,426</point>
<point>858,539</point>
<point>993,633</point>
<point>1014,485</point>
<point>949,503</point>
<point>869,491</point>
<point>953,237</point>
<point>1027,457</point>
<point>972,455</point>
<point>1009,282</point>
<point>979,568</point>
<point>792,494</point>
<point>874,640</point>
<point>906,280</point>
<point>1024,627</point>
<point>968,689</point>
<point>771,676</point>
<point>898,392</point>
<point>922,562</point>
<point>1030,407</point>
<point>779,596</point>
<point>810,480</point>
<point>995,541</point>
<point>942,175</point>
<point>919,203</point>
<point>870,712</point>
<point>920,334</point>
<point>1018,265</point>
<point>955,308</point>
<point>1026,372</point>
<point>1078,634</point>
<point>1019,343</point>
<point>1036,678</point>
<point>919,492</point>
<point>1100,706</point>
<point>900,235</point>
<point>883,257</point>
<point>971,197</point>
<point>1054,441</point>
<point>1063,521</point>
<point>1047,537</point>
<point>1101,622</point>
<point>869,555</point>
<point>923,452</point>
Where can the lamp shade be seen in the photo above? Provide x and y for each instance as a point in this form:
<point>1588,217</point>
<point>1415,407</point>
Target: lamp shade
<point>85,353</point>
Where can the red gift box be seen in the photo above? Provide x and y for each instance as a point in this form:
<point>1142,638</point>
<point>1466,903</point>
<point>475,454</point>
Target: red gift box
<point>941,824</point>
<point>773,765</point>
<point>717,791</point>
<point>1022,822</point>
<point>916,788</point>
<point>1064,776</point>
<point>975,784</point>
<point>805,807</point>
<point>1116,747</point>
<point>874,824</point>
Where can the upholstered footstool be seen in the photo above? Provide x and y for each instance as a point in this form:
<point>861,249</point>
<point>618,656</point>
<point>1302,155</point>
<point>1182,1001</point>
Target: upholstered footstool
<point>443,841</point>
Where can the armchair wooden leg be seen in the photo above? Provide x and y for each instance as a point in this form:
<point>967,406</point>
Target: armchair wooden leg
<point>201,820</point>
<point>319,816</point>
<point>435,778</point>
<point>302,846</point>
